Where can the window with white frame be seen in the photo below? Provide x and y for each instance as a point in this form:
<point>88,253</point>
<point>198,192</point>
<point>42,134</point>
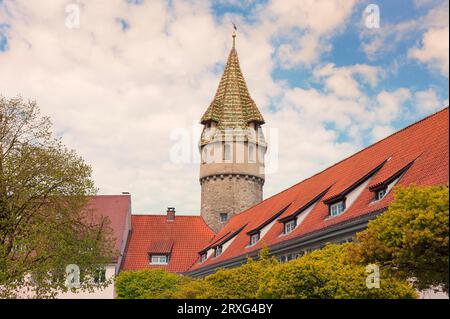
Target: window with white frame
<point>290,226</point>
<point>159,259</point>
<point>203,257</point>
<point>254,238</point>
<point>379,194</point>
<point>337,208</point>
<point>100,275</point>
<point>218,251</point>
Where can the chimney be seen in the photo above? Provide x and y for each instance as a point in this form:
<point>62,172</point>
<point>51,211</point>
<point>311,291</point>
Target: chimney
<point>170,214</point>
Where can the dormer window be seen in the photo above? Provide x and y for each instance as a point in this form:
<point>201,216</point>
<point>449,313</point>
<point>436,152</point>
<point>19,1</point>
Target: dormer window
<point>254,238</point>
<point>379,194</point>
<point>337,208</point>
<point>203,257</point>
<point>381,189</point>
<point>159,259</point>
<point>290,226</point>
<point>218,251</point>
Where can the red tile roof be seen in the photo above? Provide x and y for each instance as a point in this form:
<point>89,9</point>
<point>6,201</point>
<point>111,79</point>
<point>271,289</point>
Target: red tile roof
<point>116,208</point>
<point>426,142</point>
<point>187,234</point>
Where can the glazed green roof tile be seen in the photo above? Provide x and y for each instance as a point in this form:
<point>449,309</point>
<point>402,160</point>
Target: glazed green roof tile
<point>232,106</point>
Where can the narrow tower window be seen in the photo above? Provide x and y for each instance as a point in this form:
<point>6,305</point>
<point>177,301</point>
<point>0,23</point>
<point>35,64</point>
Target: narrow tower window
<point>226,152</point>
<point>251,153</point>
<point>223,217</point>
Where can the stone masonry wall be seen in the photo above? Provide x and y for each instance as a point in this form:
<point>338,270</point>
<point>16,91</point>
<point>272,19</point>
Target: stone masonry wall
<point>229,194</point>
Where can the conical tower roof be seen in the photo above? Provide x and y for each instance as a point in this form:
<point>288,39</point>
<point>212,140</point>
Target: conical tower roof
<point>232,106</point>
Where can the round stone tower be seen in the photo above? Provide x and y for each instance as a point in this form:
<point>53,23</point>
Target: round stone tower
<point>232,149</point>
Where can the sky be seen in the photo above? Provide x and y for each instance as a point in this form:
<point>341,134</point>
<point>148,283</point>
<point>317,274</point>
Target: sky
<point>125,82</point>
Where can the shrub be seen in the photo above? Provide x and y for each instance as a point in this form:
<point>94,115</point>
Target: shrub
<point>147,284</point>
<point>328,274</point>
<point>411,238</point>
<point>240,282</point>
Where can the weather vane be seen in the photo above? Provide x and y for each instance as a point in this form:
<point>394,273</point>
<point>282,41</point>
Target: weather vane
<point>234,33</point>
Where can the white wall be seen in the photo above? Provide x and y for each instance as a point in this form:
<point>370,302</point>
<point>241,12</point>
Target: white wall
<point>106,293</point>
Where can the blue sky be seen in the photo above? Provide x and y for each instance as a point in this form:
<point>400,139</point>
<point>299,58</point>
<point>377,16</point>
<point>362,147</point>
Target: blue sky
<point>122,80</point>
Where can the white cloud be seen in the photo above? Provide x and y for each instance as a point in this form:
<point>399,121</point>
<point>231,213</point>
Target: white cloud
<point>390,104</point>
<point>308,24</point>
<point>381,131</point>
<point>434,49</point>
<point>342,81</point>
<point>427,101</point>
<point>434,27</point>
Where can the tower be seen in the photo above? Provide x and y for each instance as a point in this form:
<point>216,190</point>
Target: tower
<point>232,148</point>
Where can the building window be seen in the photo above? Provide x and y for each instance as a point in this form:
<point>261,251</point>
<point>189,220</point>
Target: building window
<point>254,238</point>
<point>251,153</point>
<point>223,217</point>
<point>159,259</point>
<point>337,208</point>
<point>218,251</point>
<point>379,194</point>
<point>100,276</point>
<point>203,257</point>
<point>226,151</point>
<point>290,226</point>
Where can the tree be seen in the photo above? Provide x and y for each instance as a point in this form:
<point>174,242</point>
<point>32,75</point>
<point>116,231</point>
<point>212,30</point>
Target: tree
<point>411,238</point>
<point>328,273</point>
<point>241,282</point>
<point>44,222</point>
<point>148,284</point>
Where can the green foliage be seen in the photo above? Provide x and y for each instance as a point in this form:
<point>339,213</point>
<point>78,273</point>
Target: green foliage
<point>148,284</point>
<point>411,238</point>
<point>328,274</point>
<point>239,283</point>
<point>44,223</point>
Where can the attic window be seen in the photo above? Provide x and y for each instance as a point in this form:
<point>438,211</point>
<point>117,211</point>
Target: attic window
<point>159,259</point>
<point>337,208</point>
<point>290,226</point>
<point>254,238</point>
<point>218,251</point>
<point>382,189</point>
<point>203,257</point>
<point>379,194</point>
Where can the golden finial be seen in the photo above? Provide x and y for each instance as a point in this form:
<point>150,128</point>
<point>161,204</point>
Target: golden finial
<point>234,34</point>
